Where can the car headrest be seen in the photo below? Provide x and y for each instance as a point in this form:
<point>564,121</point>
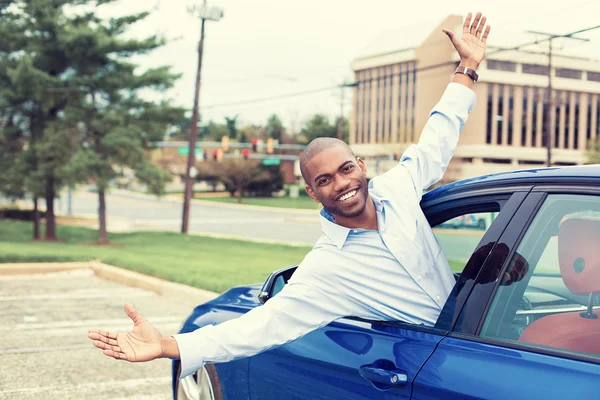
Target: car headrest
<point>579,255</point>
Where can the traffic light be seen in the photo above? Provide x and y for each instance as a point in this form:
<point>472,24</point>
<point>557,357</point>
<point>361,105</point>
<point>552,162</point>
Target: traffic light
<point>255,145</point>
<point>270,145</point>
<point>225,143</point>
<point>246,153</point>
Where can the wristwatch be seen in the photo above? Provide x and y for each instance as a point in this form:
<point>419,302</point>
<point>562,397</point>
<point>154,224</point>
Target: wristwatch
<point>467,71</point>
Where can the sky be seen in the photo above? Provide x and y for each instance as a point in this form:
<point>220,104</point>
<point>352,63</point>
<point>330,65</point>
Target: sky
<point>268,48</point>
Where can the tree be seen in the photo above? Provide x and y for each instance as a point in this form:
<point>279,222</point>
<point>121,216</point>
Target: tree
<point>593,151</point>
<point>111,123</point>
<point>231,126</point>
<point>213,131</point>
<point>32,63</point>
<point>274,127</point>
<point>320,126</point>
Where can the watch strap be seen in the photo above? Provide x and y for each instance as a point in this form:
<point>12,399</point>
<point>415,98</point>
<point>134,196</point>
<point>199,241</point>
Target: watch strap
<point>467,71</point>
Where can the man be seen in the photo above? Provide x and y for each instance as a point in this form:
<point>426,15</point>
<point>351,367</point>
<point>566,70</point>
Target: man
<point>377,258</point>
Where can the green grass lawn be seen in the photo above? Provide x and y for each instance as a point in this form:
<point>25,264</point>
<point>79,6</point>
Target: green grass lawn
<point>202,262</point>
<point>206,263</point>
<point>302,202</point>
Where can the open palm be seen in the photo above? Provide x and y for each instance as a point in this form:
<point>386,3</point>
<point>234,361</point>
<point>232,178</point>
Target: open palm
<point>142,343</point>
<point>471,46</point>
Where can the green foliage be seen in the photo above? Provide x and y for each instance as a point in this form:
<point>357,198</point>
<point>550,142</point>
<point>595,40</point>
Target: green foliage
<point>274,127</point>
<point>320,126</point>
<point>593,151</point>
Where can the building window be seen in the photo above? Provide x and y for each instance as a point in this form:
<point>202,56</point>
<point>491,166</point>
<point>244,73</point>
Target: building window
<point>593,76</point>
<point>408,71</point>
<point>414,97</point>
<point>400,102</point>
<point>557,96</point>
<point>502,65</point>
<point>524,117</point>
<point>500,118</point>
<point>568,73</point>
<point>597,135</point>
<point>576,138</point>
<point>377,111</point>
<point>534,122</point>
<point>490,117</point>
<point>535,69</point>
<point>588,134</point>
<point>567,127</point>
<point>511,106</point>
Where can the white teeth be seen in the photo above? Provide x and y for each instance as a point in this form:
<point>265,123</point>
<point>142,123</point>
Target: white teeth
<point>348,196</point>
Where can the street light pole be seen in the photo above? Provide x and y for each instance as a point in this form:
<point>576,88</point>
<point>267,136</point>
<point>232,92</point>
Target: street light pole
<point>190,174</point>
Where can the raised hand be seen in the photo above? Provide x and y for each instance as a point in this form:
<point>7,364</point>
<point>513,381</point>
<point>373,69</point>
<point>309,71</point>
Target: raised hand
<point>471,46</point>
<point>142,343</point>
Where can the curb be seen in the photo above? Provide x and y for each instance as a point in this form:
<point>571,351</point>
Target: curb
<point>159,286</point>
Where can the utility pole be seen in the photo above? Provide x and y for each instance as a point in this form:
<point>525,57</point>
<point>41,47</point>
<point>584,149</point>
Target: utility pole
<point>340,131</point>
<point>550,102</point>
<point>204,13</point>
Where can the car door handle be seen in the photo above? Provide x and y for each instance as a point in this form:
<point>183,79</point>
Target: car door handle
<point>384,376</point>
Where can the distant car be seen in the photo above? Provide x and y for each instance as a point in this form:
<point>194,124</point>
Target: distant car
<point>521,322</point>
<point>473,221</point>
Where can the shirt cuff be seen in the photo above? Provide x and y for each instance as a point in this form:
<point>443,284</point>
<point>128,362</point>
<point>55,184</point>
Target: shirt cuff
<point>459,95</point>
<point>190,352</point>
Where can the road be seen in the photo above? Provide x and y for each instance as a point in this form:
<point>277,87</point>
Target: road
<point>288,226</point>
<point>45,352</point>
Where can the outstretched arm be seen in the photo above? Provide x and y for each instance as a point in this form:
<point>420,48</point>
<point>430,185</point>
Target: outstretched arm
<point>427,161</point>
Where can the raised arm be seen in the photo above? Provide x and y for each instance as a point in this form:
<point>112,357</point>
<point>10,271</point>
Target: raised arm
<point>427,161</point>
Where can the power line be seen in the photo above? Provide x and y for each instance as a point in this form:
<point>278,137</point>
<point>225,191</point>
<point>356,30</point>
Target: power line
<point>278,97</point>
<point>408,71</point>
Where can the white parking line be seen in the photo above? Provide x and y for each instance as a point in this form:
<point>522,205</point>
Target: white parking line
<point>91,387</point>
<point>89,323</point>
<point>76,296</point>
<point>26,350</point>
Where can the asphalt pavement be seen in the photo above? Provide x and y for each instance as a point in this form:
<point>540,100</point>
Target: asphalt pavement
<point>45,352</point>
<point>129,211</point>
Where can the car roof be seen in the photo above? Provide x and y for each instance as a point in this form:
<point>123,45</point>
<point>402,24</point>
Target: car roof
<point>550,175</point>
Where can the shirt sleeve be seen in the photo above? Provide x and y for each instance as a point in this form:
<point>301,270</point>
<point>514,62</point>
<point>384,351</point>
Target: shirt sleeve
<point>427,160</point>
<point>302,306</point>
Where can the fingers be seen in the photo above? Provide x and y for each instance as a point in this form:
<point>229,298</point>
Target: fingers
<point>480,27</point>
<point>450,34</point>
<point>467,24</point>
<point>115,354</point>
<point>131,313</point>
<point>485,34</point>
<point>103,338</point>
<point>473,27</point>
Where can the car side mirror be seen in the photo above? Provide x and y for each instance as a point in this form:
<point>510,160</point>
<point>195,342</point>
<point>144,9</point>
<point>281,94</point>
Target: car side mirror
<point>275,282</point>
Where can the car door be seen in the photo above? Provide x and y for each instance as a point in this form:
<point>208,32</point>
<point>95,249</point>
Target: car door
<point>529,328</point>
<point>357,359</point>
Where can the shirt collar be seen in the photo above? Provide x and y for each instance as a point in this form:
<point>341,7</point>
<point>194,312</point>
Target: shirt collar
<point>338,233</point>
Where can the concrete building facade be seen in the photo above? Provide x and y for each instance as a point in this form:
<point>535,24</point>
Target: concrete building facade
<point>396,90</point>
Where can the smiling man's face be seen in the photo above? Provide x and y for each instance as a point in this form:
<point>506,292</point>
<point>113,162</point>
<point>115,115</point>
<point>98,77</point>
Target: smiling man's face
<point>337,179</point>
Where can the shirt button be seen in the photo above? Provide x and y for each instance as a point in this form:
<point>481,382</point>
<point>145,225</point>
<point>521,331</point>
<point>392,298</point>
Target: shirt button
<point>419,278</point>
<point>437,298</point>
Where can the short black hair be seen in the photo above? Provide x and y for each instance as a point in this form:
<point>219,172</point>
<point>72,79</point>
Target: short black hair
<point>316,146</point>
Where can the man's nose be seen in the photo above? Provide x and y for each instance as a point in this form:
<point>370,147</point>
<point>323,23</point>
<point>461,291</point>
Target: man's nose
<point>341,183</point>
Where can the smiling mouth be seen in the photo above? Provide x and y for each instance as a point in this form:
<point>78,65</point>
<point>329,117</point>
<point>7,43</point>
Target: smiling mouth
<point>348,196</point>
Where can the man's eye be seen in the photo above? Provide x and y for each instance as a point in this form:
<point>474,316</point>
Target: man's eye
<point>322,181</point>
<point>349,168</point>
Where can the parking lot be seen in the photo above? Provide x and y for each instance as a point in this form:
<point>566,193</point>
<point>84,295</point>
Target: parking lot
<point>44,349</point>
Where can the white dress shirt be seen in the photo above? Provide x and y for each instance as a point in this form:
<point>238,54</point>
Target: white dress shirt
<point>398,272</point>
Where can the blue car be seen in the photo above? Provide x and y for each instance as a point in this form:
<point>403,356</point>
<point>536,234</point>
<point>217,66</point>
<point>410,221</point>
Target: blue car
<point>521,322</point>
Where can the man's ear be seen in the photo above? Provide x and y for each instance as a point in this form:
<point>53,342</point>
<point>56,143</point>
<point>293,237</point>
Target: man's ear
<point>311,193</point>
<point>362,165</point>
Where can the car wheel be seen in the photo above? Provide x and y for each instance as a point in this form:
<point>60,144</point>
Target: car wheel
<point>481,224</point>
<point>203,384</point>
